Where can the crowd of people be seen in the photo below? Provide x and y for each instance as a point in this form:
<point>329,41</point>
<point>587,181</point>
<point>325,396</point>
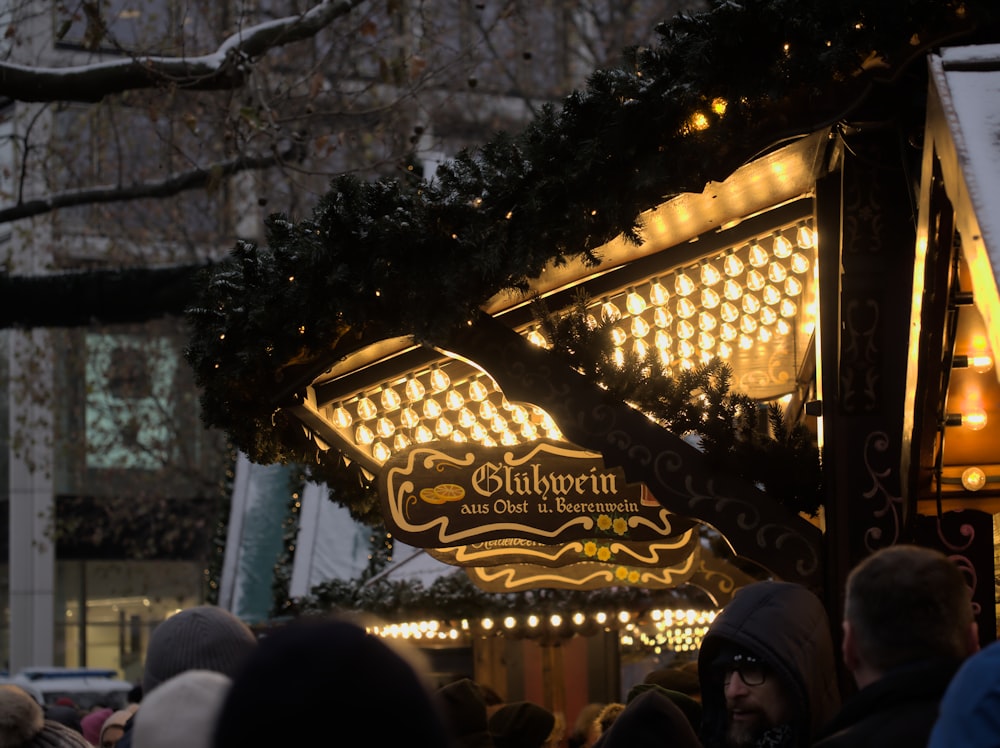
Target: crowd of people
<point>766,677</point>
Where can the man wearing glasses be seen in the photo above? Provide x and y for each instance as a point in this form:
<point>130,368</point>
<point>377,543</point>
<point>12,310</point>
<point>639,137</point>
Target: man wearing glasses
<point>767,669</point>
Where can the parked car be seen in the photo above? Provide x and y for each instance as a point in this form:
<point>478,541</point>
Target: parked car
<point>87,687</point>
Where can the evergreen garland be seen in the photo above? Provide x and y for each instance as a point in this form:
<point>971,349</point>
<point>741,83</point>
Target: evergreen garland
<point>718,89</point>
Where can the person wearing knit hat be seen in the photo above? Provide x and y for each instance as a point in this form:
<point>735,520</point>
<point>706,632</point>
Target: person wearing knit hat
<point>464,709</point>
<point>92,722</point>
<point>181,713</point>
<point>314,673</point>
<point>204,637</point>
<point>521,724</point>
<point>23,723</point>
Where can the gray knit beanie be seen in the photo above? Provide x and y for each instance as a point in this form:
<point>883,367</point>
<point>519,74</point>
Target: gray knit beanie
<point>23,723</point>
<point>201,638</point>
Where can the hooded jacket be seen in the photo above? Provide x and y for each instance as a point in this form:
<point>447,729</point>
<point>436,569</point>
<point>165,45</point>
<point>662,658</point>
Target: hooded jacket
<point>786,626</point>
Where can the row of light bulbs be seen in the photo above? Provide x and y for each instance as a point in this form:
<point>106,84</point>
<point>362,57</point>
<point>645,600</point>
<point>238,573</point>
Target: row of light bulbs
<point>738,298</point>
<point>675,628</point>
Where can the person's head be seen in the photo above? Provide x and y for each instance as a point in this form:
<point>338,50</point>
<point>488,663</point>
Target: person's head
<point>767,668</point>
<point>204,637</point>
<point>905,604</point>
<point>114,727</point>
<point>323,672</point>
<point>181,711</point>
<point>23,723</point>
<point>582,735</point>
<point>521,724</point>
<point>608,714</point>
<point>464,710</point>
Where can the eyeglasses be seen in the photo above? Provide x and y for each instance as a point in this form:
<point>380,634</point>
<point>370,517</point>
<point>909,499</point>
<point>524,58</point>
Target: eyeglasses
<point>751,671</point>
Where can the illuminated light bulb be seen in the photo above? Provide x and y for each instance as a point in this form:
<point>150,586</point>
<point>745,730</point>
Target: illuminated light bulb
<point>487,410</point>
<point>710,274</point>
<point>768,316</point>
<point>363,435</point>
<point>591,322</point>
<point>381,451</point>
<point>618,356</point>
<point>478,432</point>
<point>488,441</point>
<point>685,330</point>
<point>640,327</point>
<point>466,418</point>
<point>486,623</point>
<point>454,400</point>
<point>776,272</point>
<point>710,298</point>
<point>518,413</point>
<point>686,308</point>
<point>771,296</point>
<point>529,431</point>
<point>980,363</point>
<point>757,255</point>
<point>414,389</point>
<point>601,617</point>
<point>666,357</point>
<point>634,302</point>
<point>748,325</point>
<point>478,391</point>
<point>793,286</point>
<point>400,442</point>
<point>724,350</point>
<point>443,427</point>
<point>729,312</point>
<point>432,408</point>
<point>781,248</point>
<point>683,284</point>
<point>685,349</point>
<point>508,438</point>
<point>706,341</point>
<point>728,332</point>
<point>783,328</point>
<point>732,265</point>
<point>707,321</point>
<point>658,293</point>
<point>732,290</point>
<point>662,340</point>
<point>973,479</point>
<point>662,317</point>
<point>755,280</point>
<point>618,336</point>
<point>746,342</point>
<point>764,334</point>
<point>805,237</point>
<point>974,420</point>
<point>439,380</point>
<point>799,263</point>
<point>366,409</point>
<point>342,417</point>
<point>384,427</point>
<point>787,308</point>
<point>640,349</point>
<point>536,338</point>
<point>509,622</point>
<point>555,619</point>
<point>390,398</point>
<point>423,434</point>
<point>498,424</point>
<point>409,418</point>
<point>610,312</point>
<point>751,304</point>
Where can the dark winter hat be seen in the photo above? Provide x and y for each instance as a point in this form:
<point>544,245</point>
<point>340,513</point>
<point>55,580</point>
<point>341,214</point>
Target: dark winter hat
<point>313,673</point>
<point>201,638</point>
<point>521,724</point>
<point>464,710</point>
<point>23,723</point>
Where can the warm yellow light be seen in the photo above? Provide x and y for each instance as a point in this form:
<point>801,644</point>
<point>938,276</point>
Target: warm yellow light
<point>409,418</point>
<point>423,434</point>
<point>755,280</point>
<point>772,296</point>
<point>366,409</point>
<point>439,380</point>
<point>662,317</point>
<point>686,308</point>
<point>793,286</point>
<point>634,302</point>
<point>658,293</point>
<point>727,332</point>
<point>706,341</point>
<point>400,442</point>
<point>414,389</point>
<point>478,391</point>
<point>710,298</point>
<point>729,312</point>
<point>710,274</point>
<point>487,410</point>
<point>799,263</point>
<point>973,479</point>
<point>341,417</point>
<point>536,338</point>
<point>498,424</point>
<point>381,452</point>
<point>454,400</point>
<point>787,308</point>
<point>384,427</point>
<point>662,340</point>
<point>782,247</point>
<point>466,418</point>
<point>732,290</point>
<point>478,432</point>
<point>732,265</point>
<point>776,272</point>
<point>707,321</point>
<point>432,408</point>
<point>363,435</point>
<point>974,420</point>
<point>618,336</point>
<point>757,255</point>
<point>683,284</point>
<point>610,312</point>
<point>748,325</point>
<point>443,427</point>
<point>751,304</point>
<point>685,330</point>
<point>805,237</point>
<point>640,327</point>
<point>639,348</point>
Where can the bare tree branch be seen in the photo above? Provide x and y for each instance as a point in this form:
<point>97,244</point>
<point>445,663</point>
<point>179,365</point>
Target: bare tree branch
<point>222,69</point>
<point>172,185</point>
